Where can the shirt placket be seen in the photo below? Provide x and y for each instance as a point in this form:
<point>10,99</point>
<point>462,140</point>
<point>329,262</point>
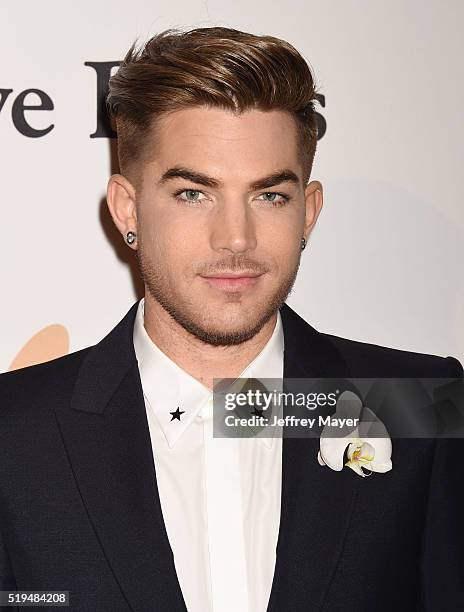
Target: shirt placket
<point>229,588</point>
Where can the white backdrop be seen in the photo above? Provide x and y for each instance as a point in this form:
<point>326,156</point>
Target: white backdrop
<point>384,264</point>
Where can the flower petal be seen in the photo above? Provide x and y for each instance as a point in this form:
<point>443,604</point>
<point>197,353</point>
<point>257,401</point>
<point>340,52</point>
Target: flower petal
<point>348,405</point>
<point>371,426</point>
<point>367,451</point>
<point>332,451</point>
<point>381,467</point>
<point>383,448</point>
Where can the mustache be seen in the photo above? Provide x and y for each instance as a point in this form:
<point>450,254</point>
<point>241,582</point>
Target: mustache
<point>233,266</point>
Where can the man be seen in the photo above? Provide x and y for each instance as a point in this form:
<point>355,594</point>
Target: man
<point>112,485</point>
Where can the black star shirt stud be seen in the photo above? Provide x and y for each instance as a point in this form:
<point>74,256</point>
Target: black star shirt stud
<point>176,414</point>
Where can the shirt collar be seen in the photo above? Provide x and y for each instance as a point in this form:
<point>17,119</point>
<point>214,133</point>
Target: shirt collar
<point>166,386</point>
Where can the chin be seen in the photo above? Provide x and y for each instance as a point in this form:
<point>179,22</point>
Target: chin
<point>230,316</point>
<point>222,329</point>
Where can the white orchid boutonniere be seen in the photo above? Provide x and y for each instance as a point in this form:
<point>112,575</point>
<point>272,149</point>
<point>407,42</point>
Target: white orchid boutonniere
<point>364,451</point>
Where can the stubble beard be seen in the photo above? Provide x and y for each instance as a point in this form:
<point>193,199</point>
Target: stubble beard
<point>154,281</point>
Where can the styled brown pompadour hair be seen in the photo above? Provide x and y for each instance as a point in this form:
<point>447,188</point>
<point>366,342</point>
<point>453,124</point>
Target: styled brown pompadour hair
<point>216,67</point>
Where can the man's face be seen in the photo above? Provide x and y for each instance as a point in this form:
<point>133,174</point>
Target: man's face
<point>204,212</point>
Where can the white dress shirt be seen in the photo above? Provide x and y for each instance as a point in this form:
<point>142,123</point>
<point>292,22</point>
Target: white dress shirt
<point>220,497</point>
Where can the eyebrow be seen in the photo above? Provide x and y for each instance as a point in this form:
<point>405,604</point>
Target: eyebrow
<point>281,176</point>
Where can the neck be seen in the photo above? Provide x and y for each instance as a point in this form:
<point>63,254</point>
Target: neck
<point>202,361</point>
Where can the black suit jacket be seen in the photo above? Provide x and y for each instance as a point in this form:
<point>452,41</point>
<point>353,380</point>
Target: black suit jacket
<point>80,510</point>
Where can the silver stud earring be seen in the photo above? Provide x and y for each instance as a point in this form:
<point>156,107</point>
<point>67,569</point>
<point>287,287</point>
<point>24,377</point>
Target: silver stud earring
<point>303,244</point>
<point>131,237</point>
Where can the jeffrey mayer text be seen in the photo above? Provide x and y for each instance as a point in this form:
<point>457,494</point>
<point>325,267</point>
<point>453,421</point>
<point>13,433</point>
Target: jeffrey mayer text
<point>290,421</point>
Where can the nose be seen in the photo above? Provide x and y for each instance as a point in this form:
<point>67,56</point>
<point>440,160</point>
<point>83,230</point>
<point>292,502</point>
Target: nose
<point>233,227</point>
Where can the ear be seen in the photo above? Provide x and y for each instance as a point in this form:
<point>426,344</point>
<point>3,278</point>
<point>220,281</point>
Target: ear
<point>314,201</point>
<point>120,197</point>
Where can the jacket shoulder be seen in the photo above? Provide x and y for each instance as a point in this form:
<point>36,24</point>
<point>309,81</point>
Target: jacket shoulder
<point>40,385</point>
<point>365,359</point>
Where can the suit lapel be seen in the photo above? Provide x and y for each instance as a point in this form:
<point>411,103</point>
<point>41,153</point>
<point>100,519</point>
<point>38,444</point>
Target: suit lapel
<point>107,439</point>
<point>317,502</point>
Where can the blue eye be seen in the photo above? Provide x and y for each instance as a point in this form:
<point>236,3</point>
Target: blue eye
<point>192,196</point>
<point>283,198</point>
<point>189,193</point>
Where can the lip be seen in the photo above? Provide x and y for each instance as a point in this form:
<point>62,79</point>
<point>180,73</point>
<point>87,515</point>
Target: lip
<point>232,282</point>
